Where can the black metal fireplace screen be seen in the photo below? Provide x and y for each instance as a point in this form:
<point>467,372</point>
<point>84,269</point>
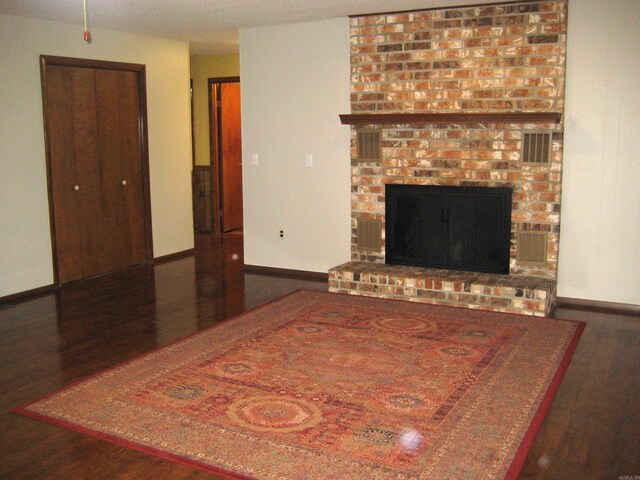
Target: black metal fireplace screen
<point>457,228</point>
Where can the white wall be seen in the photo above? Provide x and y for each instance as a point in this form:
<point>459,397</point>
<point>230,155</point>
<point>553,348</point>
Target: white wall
<point>600,229</point>
<point>25,243</point>
<point>295,82</point>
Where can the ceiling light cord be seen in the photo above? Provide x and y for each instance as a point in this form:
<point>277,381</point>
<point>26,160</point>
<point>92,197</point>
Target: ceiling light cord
<point>87,35</point>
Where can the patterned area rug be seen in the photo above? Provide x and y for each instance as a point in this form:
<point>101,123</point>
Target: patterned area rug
<point>318,385</point>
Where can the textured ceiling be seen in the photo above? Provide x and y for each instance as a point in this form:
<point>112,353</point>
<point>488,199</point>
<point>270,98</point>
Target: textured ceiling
<point>210,26</point>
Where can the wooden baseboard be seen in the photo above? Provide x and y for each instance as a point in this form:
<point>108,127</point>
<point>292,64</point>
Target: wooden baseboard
<point>284,272</point>
<point>28,294</point>
<point>596,305</point>
<point>174,256</point>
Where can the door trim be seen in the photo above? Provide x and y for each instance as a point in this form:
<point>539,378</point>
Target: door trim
<point>140,69</point>
<point>213,152</point>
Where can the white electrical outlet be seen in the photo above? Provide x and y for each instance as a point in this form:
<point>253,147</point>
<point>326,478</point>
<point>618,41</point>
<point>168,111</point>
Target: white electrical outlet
<point>254,159</point>
<point>281,233</point>
<point>308,160</point>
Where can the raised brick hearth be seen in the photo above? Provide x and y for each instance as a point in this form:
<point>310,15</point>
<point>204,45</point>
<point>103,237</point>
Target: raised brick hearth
<point>495,59</point>
<point>502,293</point>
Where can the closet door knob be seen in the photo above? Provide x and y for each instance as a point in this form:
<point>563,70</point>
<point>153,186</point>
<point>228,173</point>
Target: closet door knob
<point>76,187</point>
<point>124,182</point>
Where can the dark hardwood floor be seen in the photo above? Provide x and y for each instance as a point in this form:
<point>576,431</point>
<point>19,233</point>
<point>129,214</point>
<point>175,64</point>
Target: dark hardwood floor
<point>591,431</point>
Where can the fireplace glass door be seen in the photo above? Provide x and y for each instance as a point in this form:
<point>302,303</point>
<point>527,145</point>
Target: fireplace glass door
<point>458,228</point>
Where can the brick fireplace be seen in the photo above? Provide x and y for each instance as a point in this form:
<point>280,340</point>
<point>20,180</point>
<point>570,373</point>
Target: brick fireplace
<point>466,97</point>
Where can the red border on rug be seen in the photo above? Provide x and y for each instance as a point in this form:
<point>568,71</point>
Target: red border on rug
<point>132,445</point>
<point>538,418</point>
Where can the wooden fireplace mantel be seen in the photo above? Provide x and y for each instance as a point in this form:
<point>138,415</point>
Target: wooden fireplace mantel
<point>449,117</point>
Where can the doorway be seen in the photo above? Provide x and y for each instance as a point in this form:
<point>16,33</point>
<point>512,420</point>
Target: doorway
<point>225,140</point>
<point>97,166</point>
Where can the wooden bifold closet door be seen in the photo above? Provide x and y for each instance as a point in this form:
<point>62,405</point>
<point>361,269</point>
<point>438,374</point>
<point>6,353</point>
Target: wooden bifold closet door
<point>97,166</point>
